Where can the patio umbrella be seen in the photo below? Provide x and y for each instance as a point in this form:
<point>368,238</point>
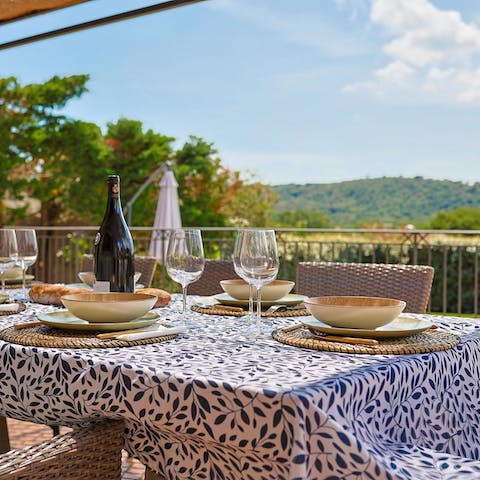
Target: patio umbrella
<point>167,216</point>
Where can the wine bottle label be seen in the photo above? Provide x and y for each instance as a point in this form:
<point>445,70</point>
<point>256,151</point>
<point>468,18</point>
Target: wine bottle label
<point>101,287</point>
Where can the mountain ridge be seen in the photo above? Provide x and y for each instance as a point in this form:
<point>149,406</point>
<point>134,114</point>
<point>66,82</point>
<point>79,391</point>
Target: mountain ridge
<point>385,200</point>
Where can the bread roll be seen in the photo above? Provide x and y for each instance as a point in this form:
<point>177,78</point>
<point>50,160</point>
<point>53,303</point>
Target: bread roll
<point>52,294</point>
<point>163,297</point>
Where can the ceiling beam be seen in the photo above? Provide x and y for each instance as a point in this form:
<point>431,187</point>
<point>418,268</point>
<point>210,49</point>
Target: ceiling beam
<point>99,22</point>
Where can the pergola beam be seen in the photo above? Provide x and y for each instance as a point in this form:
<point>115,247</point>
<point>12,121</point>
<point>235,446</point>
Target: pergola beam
<point>99,22</point>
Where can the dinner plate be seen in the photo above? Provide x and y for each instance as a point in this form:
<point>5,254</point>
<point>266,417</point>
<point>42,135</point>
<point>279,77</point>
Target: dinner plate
<point>290,299</point>
<point>84,285</point>
<point>402,326</point>
<point>67,321</point>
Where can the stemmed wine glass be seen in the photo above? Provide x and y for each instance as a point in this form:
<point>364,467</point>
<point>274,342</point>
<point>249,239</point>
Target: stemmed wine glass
<point>8,252</point>
<point>185,262</point>
<point>259,262</point>
<point>237,266</point>
<point>27,252</point>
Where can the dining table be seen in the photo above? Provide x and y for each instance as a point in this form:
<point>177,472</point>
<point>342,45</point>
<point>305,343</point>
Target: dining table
<point>217,403</point>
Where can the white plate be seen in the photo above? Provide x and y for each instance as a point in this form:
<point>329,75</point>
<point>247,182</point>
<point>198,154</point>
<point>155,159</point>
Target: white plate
<point>402,326</point>
<point>65,320</point>
<point>290,299</point>
<point>84,285</point>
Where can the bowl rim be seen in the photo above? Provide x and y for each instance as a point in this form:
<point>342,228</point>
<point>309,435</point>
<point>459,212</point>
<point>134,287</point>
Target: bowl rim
<point>314,301</point>
<point>104,297</point>
<point>240,281</point>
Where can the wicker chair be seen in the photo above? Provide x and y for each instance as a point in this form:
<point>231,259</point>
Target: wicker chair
<point>92,451</point>
<point>145,265</point>
<point>209,282</point>
<point>411,283</point>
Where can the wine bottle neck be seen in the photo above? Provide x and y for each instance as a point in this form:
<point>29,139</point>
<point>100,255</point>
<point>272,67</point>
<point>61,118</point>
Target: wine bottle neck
<point>114,203</point>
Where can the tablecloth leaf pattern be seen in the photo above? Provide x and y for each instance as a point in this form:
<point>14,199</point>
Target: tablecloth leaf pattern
<point>209,405</point>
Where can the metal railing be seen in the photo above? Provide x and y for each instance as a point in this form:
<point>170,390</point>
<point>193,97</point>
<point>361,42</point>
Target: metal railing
<point>454,254</point>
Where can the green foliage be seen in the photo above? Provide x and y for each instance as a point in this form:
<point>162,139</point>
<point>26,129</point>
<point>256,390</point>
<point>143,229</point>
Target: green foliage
<point>63,163</point>
<point>460,219</point>
<point>388,201</point>
<point>212,195</point>
<point>301,219</point>
<point>30,127</point>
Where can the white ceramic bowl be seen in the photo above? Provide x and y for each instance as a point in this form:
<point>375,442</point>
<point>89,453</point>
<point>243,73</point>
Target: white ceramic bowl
<point>109,307</point>
<point>13,273</point>
<point>239,289</point>
<point>89,277</point>
<point>355,312</point>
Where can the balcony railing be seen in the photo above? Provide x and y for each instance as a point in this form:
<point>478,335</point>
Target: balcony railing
<point>454,254</point>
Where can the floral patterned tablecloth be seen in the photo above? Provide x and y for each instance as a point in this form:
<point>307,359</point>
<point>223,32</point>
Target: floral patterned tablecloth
<point>213,404</point>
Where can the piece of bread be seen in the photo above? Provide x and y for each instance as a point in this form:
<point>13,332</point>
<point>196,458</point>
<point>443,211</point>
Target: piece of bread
<point>52,294</point>
<point>163,297</point>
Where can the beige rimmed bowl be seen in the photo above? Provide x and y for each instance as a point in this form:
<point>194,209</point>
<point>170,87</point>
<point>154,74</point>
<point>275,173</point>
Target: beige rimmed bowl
<point>109,307</point>
<point>355,312</point>
<point>239,289</point>
<point>89,277</point>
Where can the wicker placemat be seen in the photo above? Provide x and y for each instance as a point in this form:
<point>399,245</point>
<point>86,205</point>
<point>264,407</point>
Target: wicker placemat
<point>18,285</point>
<point>21,308</point>
<point>427,341</point>
<point>294,312</point>
<point>45,336</point>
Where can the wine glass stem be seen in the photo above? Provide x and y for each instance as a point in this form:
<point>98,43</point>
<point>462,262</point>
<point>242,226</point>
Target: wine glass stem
<point>24,289</point>
<point>184,305</point>
<point>250,301</point>
<point>3,283</point>
<point>259,309</point>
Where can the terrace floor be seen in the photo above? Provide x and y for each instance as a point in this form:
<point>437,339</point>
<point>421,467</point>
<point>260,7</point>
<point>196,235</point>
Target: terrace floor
<point>23,434</point>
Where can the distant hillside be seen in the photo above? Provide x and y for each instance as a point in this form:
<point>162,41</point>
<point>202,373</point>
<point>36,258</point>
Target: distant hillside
<point>391,200</point>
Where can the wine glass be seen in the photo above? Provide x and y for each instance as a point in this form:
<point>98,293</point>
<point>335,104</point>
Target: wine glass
<point>185,262</point>
<point>27,252</point>
<point>8,252</point>
<point>237,266</point>
<point>259,262</point>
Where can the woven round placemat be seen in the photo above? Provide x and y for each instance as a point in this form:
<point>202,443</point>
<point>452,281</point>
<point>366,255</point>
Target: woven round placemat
<point>427,341</point>
<point>45,336</point>
<point>17,285</point>
<point>21,308</point>
<point>300,312</point>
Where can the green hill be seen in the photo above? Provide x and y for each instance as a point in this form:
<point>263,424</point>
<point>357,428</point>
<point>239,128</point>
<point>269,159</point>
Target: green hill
<point>390,200</point>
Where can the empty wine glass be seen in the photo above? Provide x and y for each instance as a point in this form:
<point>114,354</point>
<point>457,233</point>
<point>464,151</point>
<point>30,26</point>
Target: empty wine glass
<point>259,262</point>
<point>8,252</point>
<point>185,262</point>
<point>27,252</point>
<point>237,266</point>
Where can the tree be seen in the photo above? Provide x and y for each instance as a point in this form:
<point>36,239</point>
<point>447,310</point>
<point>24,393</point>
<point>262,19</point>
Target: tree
<point>29,126</point>
<point>460,219</point>
<point>214,196</point>
<point>135,154</point>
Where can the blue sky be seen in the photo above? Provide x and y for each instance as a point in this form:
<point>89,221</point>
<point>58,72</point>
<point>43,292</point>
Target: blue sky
<point>293,91</point>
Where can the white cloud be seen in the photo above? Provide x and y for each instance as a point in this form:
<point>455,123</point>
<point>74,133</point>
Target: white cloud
<point>434,53</point>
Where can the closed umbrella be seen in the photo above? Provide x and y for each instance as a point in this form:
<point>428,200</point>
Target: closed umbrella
<point>167,216</point>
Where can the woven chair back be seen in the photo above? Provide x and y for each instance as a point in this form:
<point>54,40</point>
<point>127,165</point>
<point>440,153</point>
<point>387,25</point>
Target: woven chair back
<point>209,282</point>
<point>145,265</point>
<point>411,283</point>
<point>90,451</point>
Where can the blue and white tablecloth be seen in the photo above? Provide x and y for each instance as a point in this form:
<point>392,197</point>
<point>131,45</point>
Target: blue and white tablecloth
<point>212,404</point>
